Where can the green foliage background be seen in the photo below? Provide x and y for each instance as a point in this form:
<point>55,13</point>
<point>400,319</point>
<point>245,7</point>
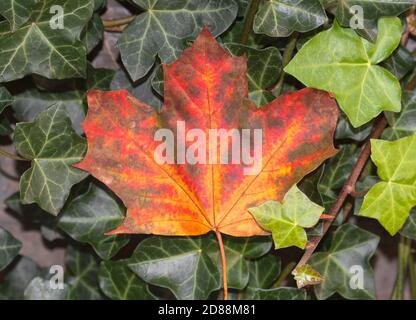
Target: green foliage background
<point>46,72</point>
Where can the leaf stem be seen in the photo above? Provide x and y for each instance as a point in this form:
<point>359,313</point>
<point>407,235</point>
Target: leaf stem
<point>117,22</point>
<point>248,21</point>
<point>287,56</point>
<point>283,275</point>
<point>402,264</point>
<point>412,276</point>
<point>223,263</point>
<point>11,155</point>
<point>346,190</point>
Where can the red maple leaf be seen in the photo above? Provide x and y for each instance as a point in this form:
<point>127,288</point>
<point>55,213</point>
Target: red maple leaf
<point>206,88</point>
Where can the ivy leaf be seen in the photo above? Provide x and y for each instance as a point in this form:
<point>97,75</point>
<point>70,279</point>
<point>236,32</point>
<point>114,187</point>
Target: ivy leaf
<point>339,61</point>
<point>37,48</point>
<point>346,131</point>
<point>40,289</point>
<point>281,293</point>
<point>16,12</point>
<point>263,70</point>
<point>89,216</point>
<point>121,146</point>
<point>390,200</point>
<point>373,10</point>
<point>279,18</point>
<point>400,62</point>
<point>349,250</point>
<point>404,123</point>
<point>9,248</point>
<point>141,89</point>
<point>263,272</point>
<point>94,33</point>
<point>52,146</point>
<point>286,219</point>
<point>336,172</point>
<point>118,282</point>
<point>16,280</point>
<point>6,99</point>
<point>239,253</point>
<point>30,103</point>
<point>409,228</point>
<point>164,25</point>
<point>83,267</point>
<point>178,264</point>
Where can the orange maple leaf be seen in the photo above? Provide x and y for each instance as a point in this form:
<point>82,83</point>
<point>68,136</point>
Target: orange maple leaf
<point>207,89</point>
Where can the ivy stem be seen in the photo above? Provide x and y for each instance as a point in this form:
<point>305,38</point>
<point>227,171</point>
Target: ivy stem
<point>11,155</point>
<point>248,21</point>
<point>283,275</point>
<point>402,264</point>
<point>346,190</point>
<point>412,276</point>
<point>117,22</point>
<point>287,56</point>
<point>223,263</point>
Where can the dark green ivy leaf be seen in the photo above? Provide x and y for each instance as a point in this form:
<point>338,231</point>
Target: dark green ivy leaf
<point>164,24</point>
<point>17,279</point>
<point>409,228</point>
<point>16,12</point>
<point>399,63</point>
<point>404,123</point>
<point>9,248</point>
<point>281,293</point>
<point>279,18</point>
<point>178,264</point>
<point>373,10</point>
<point>37,48</point>
<point>263,70</point>
<point>40,289</point>
<point>89,216</point>
<point>118,282</point>
<point>142,89</point>
<point>93,33</point>
<point>83,268</point>
<point>52,146</point>
<point>336,171</point>
<point>6,99</point>
<point>346,255</point>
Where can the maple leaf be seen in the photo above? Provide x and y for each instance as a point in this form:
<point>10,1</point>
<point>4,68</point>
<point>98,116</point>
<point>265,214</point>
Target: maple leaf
<point>207,88</point>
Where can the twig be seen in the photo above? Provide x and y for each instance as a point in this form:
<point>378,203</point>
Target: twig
<point>11,155</point>
<point>248,22</point>
<point>283,275</point>
<point>223,263</point>
<point>117,22</point>
<point>349,187</point>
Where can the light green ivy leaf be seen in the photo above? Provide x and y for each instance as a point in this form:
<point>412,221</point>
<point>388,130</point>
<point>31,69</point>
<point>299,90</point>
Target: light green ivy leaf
<point>164,25</point>
<point>89,216</point>
<point>52,146</point>
<point>390,200</point>
<point>341,62</point>
<point>287,220</point>
<point>346,254</point>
